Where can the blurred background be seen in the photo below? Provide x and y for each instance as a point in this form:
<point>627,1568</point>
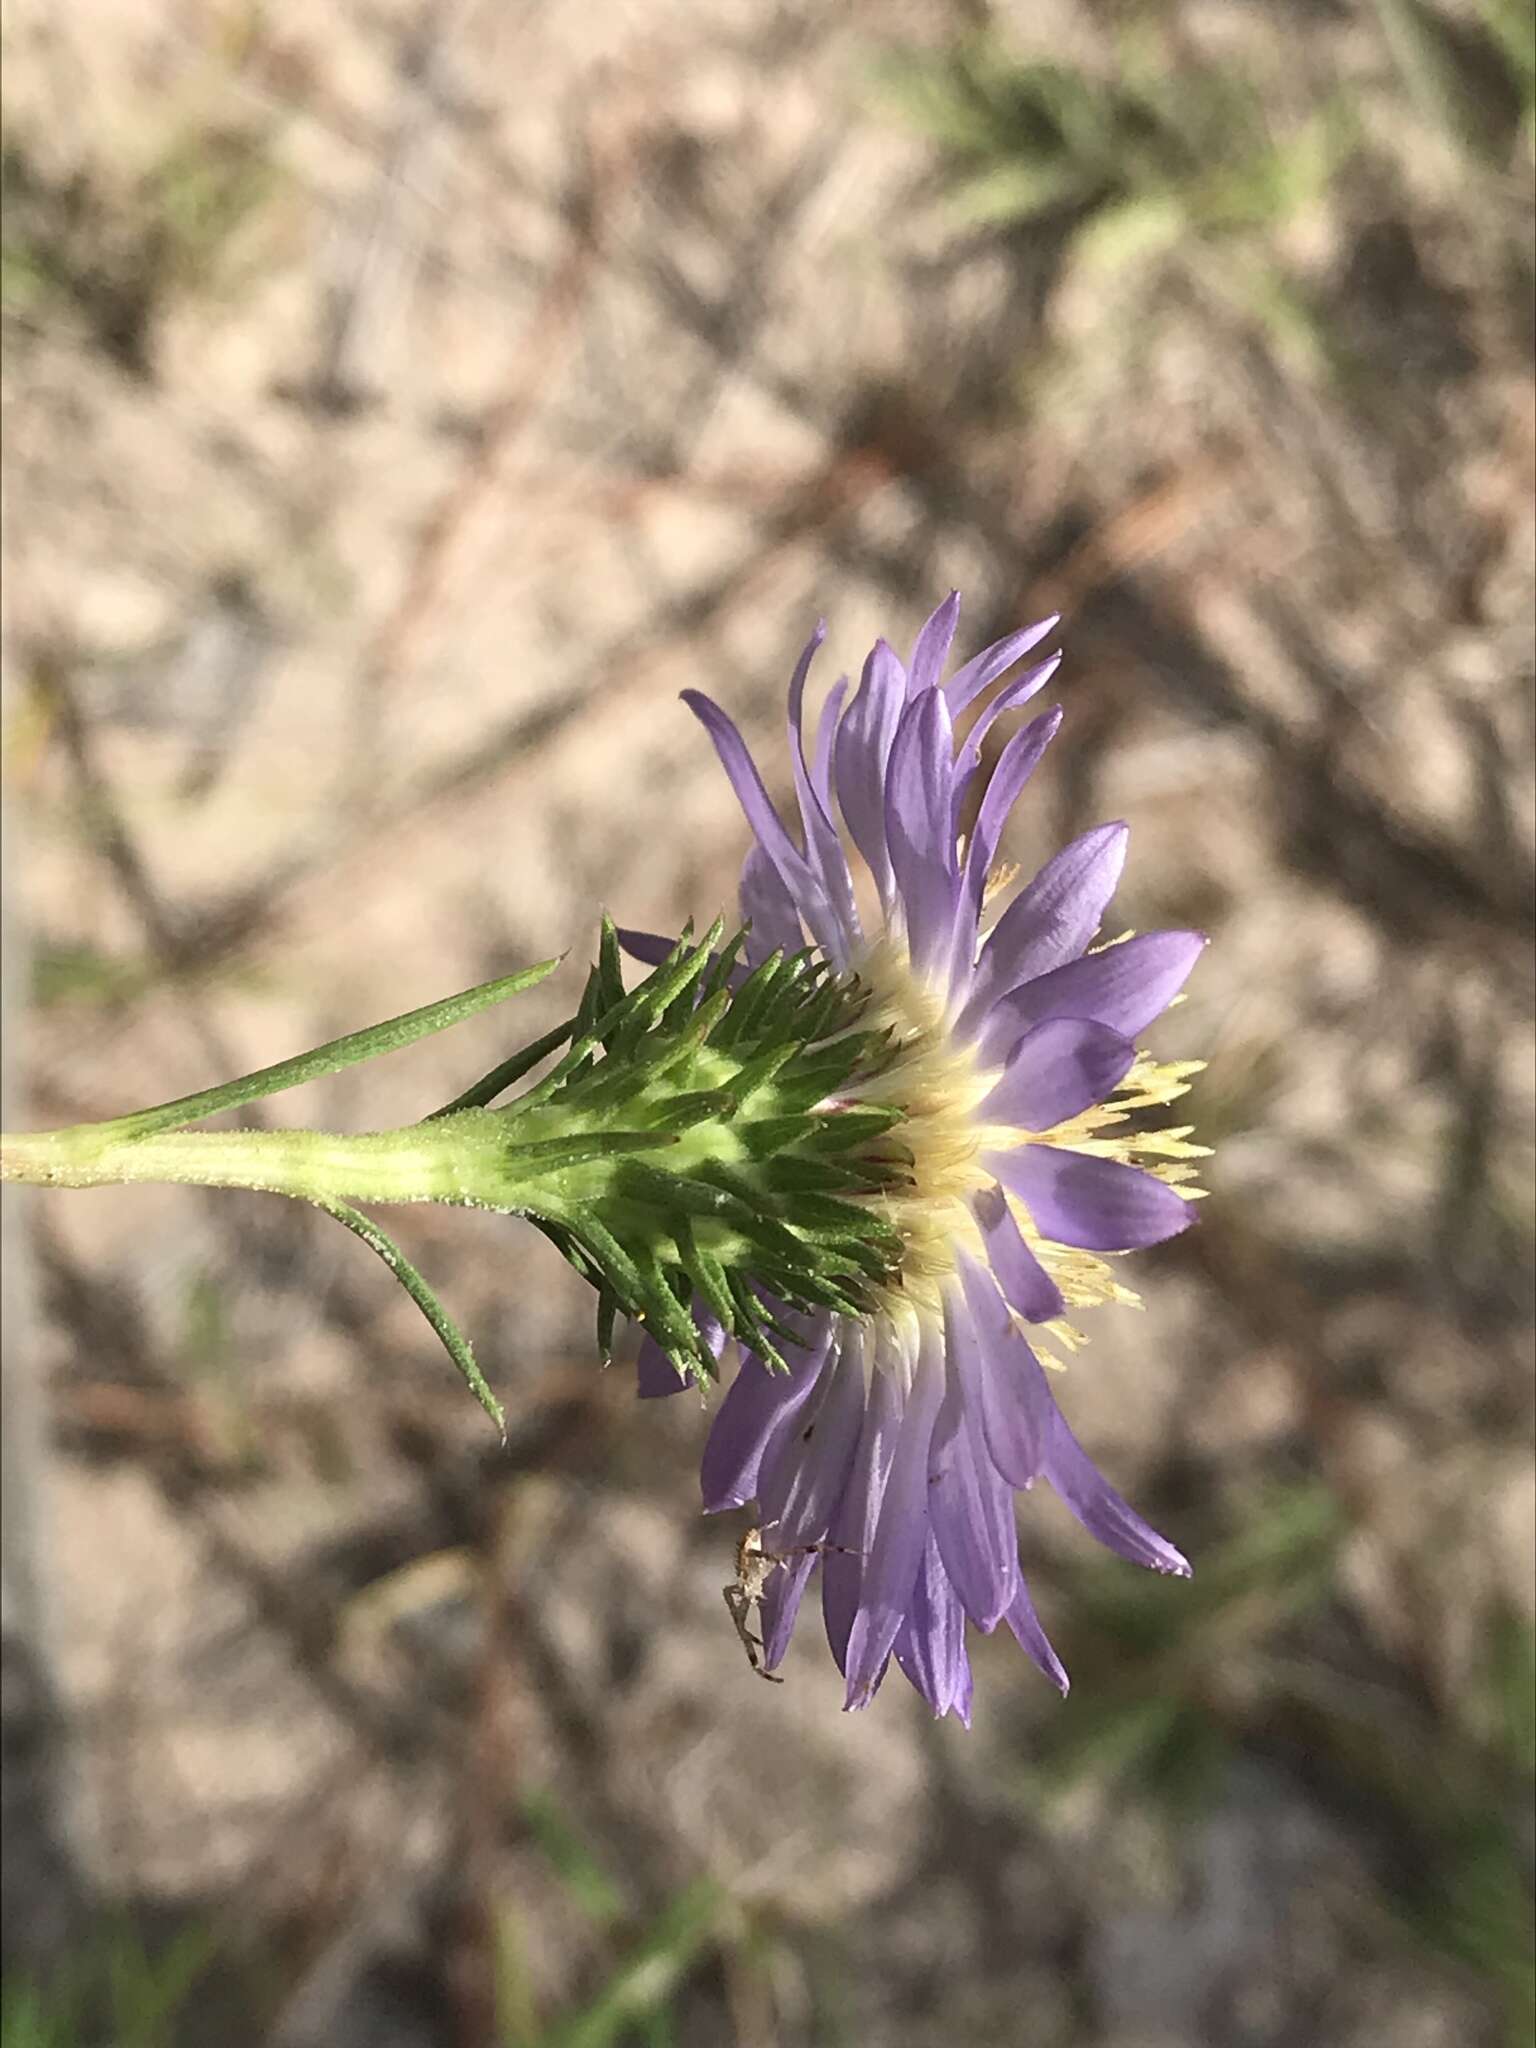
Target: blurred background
<point>406,398</point>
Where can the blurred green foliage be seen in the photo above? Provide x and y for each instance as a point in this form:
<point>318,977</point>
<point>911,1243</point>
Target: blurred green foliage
<point>1157,162</point>
<point>114,249</point>
<point>1144,159</point>
<point>75,971</point>
<point>633,2003</point>
<point>1177,1679</point>
<point>1168,162</point>
<point>1151,1702</point>
<point>134,1993</point>
<point>121,1988</point>
<point>1474,81</point>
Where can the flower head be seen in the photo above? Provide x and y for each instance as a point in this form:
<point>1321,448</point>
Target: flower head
<point>884,1448</point>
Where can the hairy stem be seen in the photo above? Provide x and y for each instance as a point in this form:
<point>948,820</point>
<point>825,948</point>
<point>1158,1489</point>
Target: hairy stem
<point>424,1162</point>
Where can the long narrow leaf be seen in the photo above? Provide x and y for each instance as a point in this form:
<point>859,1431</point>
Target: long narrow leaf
<point>331,1058</point>
<point>456,1345</point>
<point>489,1086</point>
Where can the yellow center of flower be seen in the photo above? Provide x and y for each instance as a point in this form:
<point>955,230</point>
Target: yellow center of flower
<point>940,1086</point>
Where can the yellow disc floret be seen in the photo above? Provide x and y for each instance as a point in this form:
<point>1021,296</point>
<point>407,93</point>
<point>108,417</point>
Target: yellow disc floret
<point>940,1086</point>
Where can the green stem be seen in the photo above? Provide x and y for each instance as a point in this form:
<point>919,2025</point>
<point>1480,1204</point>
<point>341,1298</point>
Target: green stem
<point>444,1161</point>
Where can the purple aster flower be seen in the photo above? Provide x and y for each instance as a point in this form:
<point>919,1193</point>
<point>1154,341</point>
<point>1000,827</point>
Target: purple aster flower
<point>886,1458</point>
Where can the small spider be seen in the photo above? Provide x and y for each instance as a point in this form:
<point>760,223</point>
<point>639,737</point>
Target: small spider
<point>754,1567</point>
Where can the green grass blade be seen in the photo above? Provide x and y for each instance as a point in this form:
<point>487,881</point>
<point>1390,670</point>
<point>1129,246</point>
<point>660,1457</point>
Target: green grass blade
<point>641,1987</point>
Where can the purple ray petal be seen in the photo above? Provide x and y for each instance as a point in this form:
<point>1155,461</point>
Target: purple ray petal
<point>890,1570</point>
<point>1015,765</point>
<point>758,1404</point>
<point>802,1491</point>
<point>781,1607</point>
<point>1055,918</point>
<point>862,753</point>
<point>1009,698</point>
<point>1056,1071</point>
<point>1102,1512</point>
<point>655,1374</point>
<point>709,1327</point>
<point>1124,986</point>
<point>650,947</point>
<point>1025,1283</point>
<point>969,682</point>
<point>931,1645</point>
<point>922,847</point>
<point>842,1570</point>
<point>968,756</point>
<point>930,651</point>
<point>801,1485</point>
<point>768,907</point>
<point>1096,1204</point>
<point>970,1510</point>
<point>826,735</point>
<point>741,771</point>
<point>968,759</point>
<point>1000,1375</point>
<point>1025,1623</point>
<point>823,848</point>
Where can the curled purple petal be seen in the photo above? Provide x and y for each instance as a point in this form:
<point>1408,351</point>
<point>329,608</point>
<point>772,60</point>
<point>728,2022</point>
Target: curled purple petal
<point>1096,1204</point>
<point>930,650</point>
<point>801,1484</point>
<point>1009,698</point>
<point>983,669</point>
<point>1015,765</point>
<point>1056,1071</point>
<point>1025,1284</point>
<point>968,759</point>
<point>741,771</point>
<point>781,1607</point>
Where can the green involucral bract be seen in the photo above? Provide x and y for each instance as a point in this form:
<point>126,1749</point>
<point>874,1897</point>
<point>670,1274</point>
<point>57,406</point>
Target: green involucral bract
<point>694,1143</point>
